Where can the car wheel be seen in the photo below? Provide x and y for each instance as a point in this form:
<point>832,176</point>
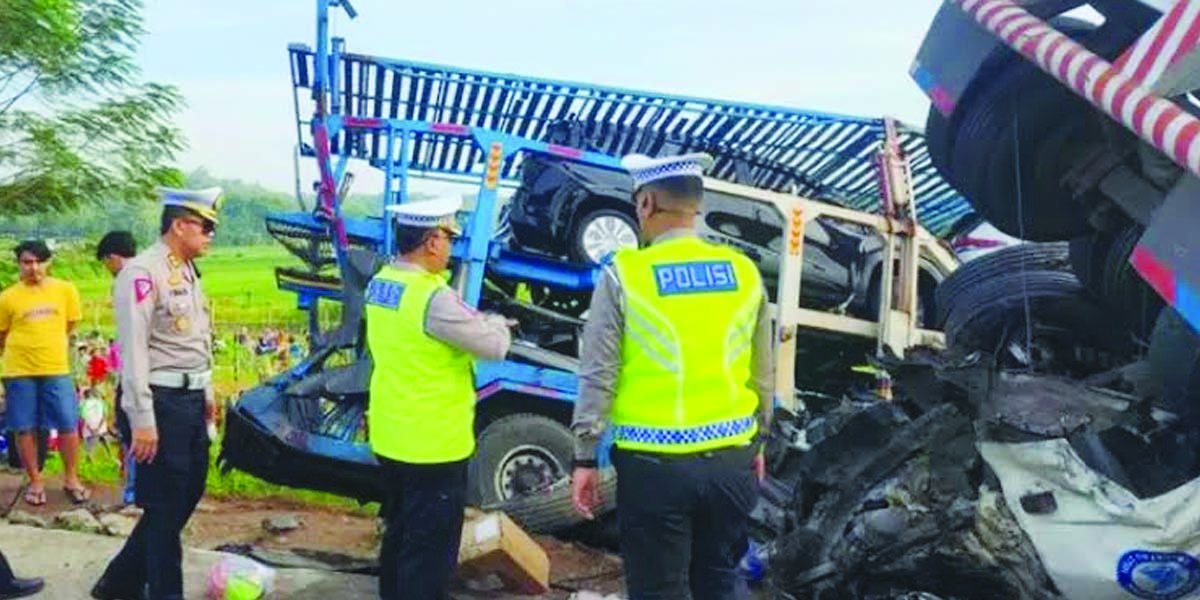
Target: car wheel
<point>600,232</point>
<point>518,456</point>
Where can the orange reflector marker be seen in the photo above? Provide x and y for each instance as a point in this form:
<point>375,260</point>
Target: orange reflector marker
<point>493,165</point>
<point>796,232</point>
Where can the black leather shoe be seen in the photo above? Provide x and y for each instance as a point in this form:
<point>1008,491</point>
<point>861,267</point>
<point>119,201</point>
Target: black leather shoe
<point>103,591</point>
<point>20,588</point>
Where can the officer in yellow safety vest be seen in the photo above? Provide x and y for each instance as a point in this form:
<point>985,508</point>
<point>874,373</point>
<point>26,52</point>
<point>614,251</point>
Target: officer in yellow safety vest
<point>676,356</point>
<point>421,416</point>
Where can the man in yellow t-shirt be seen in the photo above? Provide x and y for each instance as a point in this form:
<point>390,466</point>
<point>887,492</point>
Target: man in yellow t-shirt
<point>37,316</point>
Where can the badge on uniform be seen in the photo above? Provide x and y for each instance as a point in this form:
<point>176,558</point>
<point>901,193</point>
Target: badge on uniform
<point>182,324</point>
<point>381,292</point>
<point>695,277</point>
<point>175,278</point>
<point>143,287</point>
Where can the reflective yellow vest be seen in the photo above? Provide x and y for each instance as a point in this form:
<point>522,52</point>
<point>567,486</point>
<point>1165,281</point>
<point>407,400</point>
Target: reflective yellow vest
<point>422,404</point>
<point>691,309</point>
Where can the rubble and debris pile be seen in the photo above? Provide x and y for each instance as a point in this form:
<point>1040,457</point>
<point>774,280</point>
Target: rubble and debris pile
<point>902,499</point>
<point>887,503</point>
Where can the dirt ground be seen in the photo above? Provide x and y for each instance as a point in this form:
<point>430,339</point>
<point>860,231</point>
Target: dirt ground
<point>217,524</point>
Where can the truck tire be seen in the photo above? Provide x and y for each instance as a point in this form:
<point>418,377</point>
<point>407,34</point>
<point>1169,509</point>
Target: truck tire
<point>1051,256</point>
<point>519,455</point>
<point>1072,333</point>
<point>1087,260</point>
<point>939,139</point>
<point>1101,262</point>
<point>1125,290</point>
<point>554,511</point>
<point>1052,123</point>
<point>606,228</point>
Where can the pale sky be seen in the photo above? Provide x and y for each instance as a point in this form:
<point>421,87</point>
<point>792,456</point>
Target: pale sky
<point>229,58</point>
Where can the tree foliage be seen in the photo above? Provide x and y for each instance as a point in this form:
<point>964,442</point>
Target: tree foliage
<point>77,123</point>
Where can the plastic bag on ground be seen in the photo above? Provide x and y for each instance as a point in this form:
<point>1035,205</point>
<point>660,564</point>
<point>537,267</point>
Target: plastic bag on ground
<point>239,578</point>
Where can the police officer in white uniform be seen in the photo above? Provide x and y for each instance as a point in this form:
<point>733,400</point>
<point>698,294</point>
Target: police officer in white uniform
<point>165,334</point>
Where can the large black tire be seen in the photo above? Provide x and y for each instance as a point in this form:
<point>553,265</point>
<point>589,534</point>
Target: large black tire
<point>1125,290</point>
<point>519,455</point>
<point>1072,334</point>
<point>1022,104</point>
<point>1022,257</point>
<point>1047,115</point>
<point>576,244</point>
<point>1087,260</point>
<point>939,139</point>
<point>1101,262</point>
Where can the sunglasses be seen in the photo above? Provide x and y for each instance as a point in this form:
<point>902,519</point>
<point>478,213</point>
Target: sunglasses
<point>450,235</point>
<point>208,227</point>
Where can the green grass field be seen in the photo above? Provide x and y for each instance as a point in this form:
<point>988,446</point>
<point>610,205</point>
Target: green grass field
<point>239,282</point>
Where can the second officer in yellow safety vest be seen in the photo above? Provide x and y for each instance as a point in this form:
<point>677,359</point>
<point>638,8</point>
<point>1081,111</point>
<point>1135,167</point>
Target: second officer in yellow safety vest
<point>423,340</point>
<point>676,359</point>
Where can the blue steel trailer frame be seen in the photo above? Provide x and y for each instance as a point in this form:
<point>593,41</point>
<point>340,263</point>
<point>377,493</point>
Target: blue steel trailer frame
<point>817,155</point>
<point>476,251</point>
<point>416,119</point>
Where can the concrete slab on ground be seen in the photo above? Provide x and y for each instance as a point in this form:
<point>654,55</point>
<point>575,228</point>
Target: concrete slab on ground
<point>71,562</point>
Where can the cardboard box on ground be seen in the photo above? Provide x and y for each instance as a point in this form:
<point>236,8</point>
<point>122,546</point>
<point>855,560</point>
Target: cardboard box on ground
<point>494,546</point>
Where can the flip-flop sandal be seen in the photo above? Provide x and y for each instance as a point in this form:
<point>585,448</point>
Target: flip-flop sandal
<point>35,497</point>
<point>77,495</point>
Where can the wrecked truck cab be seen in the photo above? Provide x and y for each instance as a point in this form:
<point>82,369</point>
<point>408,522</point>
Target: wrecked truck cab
<point>982,483</point>
<point>271,434</point>
<point>1104,495</point>
<point>989,475</point>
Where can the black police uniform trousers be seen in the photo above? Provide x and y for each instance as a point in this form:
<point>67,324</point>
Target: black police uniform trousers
<point>684,522</point>
<point>167,489</point>
<point>6,575</point>
<point>423,516</point>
